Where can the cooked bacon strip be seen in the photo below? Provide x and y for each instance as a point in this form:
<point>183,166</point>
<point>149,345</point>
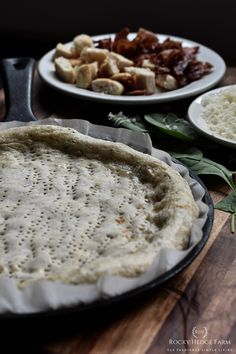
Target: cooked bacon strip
<point>169,57</point>
<point>123,34</point>
<point>146,41</point>
<point>170,44</point>
<point>197,69</point>
<point>105,43</point>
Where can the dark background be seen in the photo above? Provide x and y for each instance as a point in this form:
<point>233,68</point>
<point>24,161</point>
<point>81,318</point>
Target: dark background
<point>31,28</point>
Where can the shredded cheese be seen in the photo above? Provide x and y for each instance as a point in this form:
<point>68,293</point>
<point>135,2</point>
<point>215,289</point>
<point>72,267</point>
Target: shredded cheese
<point>219,112</point>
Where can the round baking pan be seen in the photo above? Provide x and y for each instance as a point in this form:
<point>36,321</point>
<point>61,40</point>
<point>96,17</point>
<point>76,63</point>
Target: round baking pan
<point>18,71</point>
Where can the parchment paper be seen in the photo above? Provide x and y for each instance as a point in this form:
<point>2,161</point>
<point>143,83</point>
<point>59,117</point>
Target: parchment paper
<point>45,295</point>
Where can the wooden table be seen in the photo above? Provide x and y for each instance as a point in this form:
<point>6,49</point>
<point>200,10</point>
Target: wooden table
<point>199,304</point>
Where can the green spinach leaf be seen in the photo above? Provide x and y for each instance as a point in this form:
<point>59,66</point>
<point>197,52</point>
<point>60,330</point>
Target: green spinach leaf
<point>120,120</point>
<point>191,153</point>
<point>209,167</point>
<point>228,204</point>
<point>194,159</point>
<point>172,125</point>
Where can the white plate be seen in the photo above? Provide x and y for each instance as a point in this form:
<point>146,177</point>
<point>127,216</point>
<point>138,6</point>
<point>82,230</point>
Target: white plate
<point>47,73</point>
<point>196,118</point>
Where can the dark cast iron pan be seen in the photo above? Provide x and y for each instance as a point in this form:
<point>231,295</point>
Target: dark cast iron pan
<point>17,77</point>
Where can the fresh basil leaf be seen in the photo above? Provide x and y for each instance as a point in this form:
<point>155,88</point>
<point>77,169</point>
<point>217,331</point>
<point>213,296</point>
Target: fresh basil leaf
<point>172,125</point>
<point>228,204</point>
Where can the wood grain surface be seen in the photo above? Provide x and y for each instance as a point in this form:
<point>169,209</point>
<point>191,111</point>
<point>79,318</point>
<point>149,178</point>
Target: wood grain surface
<point>193,312</point>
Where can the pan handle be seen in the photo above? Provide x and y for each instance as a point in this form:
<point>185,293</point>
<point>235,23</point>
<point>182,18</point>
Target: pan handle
<point>17,77</point>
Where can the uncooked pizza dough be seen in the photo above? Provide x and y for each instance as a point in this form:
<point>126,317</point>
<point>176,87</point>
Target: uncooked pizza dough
<point>74,208</point>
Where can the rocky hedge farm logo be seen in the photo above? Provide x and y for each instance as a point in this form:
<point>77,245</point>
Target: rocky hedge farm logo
<point>200,342</point>
<point>199,332</point>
